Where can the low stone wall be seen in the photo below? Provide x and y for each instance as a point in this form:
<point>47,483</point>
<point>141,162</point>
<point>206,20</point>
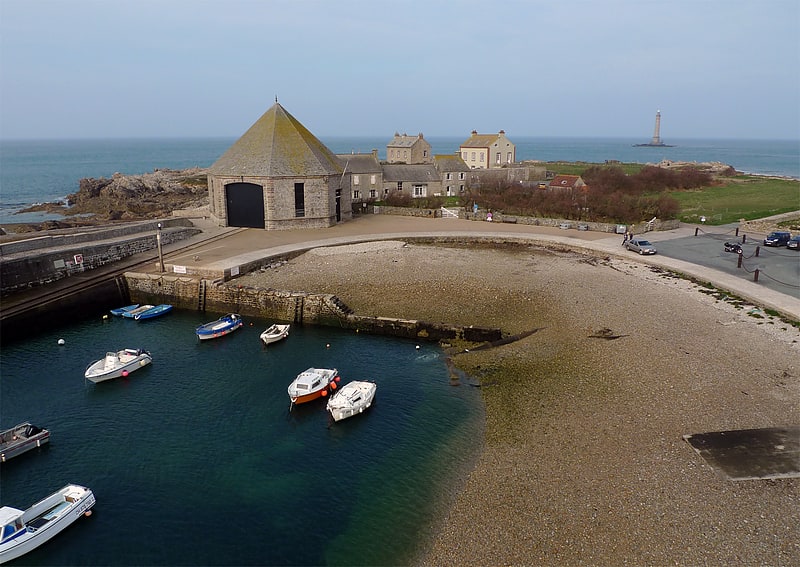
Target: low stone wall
<point>26,269</point>
<point>406,211</point>
<point>296,307</point>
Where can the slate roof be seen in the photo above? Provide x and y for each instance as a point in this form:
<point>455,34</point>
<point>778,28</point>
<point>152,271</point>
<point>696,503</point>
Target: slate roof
<point>404,141</point>
<point>359,163</point>
<point>448,162</point>
<point>412,173</point>
<point>277,145</point>
<point>481,140</point>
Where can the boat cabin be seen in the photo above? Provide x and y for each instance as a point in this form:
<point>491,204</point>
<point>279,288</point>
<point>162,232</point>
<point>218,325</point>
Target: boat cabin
<point>11,520</point>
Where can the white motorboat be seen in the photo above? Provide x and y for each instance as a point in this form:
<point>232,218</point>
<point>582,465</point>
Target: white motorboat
<point>25,531</point>
<point>21,438</point>
<point>274,333</point>
<point>312,384</point>
<point>352,399</point>
<point>116,364</point>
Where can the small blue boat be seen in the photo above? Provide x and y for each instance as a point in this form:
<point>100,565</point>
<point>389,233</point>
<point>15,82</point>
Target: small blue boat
<point>120,311</point>
<point>155,311</point>
<point>219,328</point>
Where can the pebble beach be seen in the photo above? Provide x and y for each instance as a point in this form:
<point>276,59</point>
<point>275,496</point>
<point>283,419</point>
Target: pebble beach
<point>583,460</point>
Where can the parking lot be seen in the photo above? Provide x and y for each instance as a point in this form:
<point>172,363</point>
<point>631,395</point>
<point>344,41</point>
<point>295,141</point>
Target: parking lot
<point>778,267</point>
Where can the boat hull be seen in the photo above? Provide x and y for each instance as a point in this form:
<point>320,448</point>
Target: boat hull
<point>274,334</point>
<point>153,312</point>
<point>354,398</point>
<point>120,311</point>
<point>219,328</point>
<point>134,312</point>
<point>312,384</point>
<point>21,439</point>
<point>101,370</point>
<point>46,519</point>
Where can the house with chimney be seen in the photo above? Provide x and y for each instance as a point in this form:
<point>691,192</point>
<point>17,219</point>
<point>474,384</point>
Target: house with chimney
<point>488,151</point>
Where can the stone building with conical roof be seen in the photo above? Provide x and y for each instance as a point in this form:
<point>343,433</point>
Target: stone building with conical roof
<point>279,176</point>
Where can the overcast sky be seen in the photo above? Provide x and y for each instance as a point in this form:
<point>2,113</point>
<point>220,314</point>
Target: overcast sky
<point>593,68</point>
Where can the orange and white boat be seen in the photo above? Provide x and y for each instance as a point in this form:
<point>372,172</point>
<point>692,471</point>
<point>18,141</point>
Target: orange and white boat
<point>312,384</point>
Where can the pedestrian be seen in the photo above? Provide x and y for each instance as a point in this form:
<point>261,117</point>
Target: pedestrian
<point>625,239</point>
<point>489,216</point>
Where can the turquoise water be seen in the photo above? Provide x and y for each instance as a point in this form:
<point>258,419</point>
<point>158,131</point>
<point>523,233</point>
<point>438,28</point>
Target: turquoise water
<point>198,460</point>
<point>47,171</point>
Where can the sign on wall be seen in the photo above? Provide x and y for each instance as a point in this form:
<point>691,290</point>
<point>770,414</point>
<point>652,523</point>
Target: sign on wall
<point>78,258</point>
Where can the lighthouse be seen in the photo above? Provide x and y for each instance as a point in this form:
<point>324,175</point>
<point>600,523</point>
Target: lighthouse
<point>656,141</point>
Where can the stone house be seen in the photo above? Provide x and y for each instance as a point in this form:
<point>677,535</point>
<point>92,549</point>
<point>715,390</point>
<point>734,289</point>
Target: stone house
<point>415,180</point>
<point>279,176</point>
<point>366,176</point>
<point>453,172</point>
<point>488,151</point>
<point>409,150</point>
<point>566,182</point>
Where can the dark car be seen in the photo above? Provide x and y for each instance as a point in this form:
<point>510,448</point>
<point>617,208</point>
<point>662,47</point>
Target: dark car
<point>794,242</point>
<point>733,247</point>
<point>777,238</point>
<point>640,245</point>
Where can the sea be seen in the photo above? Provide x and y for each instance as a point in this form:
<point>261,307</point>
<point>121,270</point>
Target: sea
<point>198,459</point>
<point>45,171</point>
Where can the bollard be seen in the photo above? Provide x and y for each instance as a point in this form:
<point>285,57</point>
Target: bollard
<point>696,230</point>
<point>757,250</point>
<point>744,238</point>
<point>739,263</point>
<point>737,231</point>
<point>755,275</point>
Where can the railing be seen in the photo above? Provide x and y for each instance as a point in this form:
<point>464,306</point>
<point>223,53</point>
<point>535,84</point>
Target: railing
<point>449,214</point>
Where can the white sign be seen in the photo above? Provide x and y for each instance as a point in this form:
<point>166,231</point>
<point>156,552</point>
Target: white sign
<point>235,271</point>
<point>179,269</point>
<point>78,258</point>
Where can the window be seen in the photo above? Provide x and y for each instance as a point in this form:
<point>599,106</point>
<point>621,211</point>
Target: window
<point>497,158</point>
<point>473,156</point>
<point>356,194</point>
<point>481,156</point>
<point>372,180</point>
<point>373,194</point>
<point>461,175</point>
<point>464,156</point>
<point>424,153</point>
<point>448,176</point>
<point>356,180</point>
<point>399,185</point>
<point>419,190</point>
<point>509,159</point>
<point>299,200</point>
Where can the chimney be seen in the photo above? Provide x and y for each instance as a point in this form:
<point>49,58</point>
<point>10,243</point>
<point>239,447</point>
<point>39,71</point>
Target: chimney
<point>375,153</point>
<point>474,132</point>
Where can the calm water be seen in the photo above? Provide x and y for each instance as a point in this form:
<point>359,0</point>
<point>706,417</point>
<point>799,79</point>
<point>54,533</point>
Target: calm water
<point>47,171</point>
<point>197,459</point>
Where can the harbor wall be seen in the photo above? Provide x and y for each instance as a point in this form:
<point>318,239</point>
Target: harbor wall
<point>295,307</point>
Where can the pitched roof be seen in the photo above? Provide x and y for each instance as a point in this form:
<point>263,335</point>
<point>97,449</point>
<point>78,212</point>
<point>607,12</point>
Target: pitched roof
<point>565,181</point>
<point>411,173</point>
<point>359,163</point>
<point>277,145</point>
<point>481,140</point>
<point>403,141</point>
<point>450,162</point>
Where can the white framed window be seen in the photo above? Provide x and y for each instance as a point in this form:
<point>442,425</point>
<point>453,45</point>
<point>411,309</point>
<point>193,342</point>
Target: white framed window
<point>497,158</point>
<point>464,156</point>
<point>473,156</point>
<point>509,159</point>
<point>372,193</point>
<point>419,190</point>
<point>372,180</point>
<point>448,176</point>
<point>356,194</point>
<point>481,157</point>
<point>461,175</point>
<point>356,180</point>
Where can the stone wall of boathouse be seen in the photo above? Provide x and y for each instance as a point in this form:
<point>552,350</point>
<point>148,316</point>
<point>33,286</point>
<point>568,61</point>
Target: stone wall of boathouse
<point>217,297</point>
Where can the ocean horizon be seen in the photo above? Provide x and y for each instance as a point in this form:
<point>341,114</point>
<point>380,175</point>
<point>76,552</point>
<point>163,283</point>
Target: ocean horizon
<point>40,171</point>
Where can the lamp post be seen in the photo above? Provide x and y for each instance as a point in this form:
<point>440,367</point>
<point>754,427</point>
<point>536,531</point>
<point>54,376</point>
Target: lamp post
<point>160,253</point>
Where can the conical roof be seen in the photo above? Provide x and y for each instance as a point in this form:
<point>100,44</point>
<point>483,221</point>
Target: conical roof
<point>277,145</point>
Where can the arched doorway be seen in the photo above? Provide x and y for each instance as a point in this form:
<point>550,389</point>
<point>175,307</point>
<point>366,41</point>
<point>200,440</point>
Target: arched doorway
<point>245,205</point>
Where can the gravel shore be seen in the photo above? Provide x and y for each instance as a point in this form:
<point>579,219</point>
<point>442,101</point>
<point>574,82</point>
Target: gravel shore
<point>584,460</point>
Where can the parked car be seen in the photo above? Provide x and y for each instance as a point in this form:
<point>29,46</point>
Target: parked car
<point>733,247</point>
<point>777,238</point>
<point>794,242</point>
<point>565,225</point>
<point>640,245</point>
<point>583,226</point>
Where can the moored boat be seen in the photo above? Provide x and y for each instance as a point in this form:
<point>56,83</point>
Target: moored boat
<point>154,311</point>
<point>24,531</point>
<point>219,328</point>
<point>274,333</point>
<point>352,399</point>
<point>312,384</point>
<point>120,311</point>
<point>21,438</point>
<point>134,312</point>
<point>116,364</point>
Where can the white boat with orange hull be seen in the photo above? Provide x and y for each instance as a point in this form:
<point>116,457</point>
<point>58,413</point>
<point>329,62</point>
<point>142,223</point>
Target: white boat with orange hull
<point>312,384</point>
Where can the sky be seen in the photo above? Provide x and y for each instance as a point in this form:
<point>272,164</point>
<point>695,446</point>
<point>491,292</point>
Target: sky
<point>716,69</point>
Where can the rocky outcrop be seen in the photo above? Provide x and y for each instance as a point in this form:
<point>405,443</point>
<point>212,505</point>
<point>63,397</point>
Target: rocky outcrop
<point>133,197</point>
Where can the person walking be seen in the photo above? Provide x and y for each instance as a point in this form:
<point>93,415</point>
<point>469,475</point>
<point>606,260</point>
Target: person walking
<point>626,237</point>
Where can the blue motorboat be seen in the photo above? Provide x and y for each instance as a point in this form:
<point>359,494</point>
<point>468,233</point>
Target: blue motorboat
<point>120,311</point>
<point>221,327</point>
<point>154,311</point>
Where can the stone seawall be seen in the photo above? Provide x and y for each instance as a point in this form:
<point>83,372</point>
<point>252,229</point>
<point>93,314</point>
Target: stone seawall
<point>296,307</point>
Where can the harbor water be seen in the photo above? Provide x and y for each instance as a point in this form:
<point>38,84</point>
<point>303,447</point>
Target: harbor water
<point>198,458</point>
